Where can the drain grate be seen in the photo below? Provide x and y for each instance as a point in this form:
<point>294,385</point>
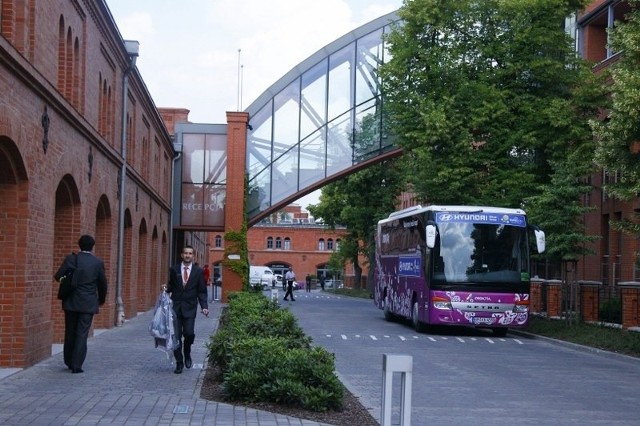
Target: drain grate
<point>181,409</point>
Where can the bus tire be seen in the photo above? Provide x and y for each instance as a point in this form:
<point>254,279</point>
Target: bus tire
<point>417,325</point>
<point>387,312</point>
<point>500,332</point>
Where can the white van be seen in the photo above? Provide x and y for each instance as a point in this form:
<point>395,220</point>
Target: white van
<point>260,276</point>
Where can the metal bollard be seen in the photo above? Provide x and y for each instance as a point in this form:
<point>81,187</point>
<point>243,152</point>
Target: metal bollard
<point>396,363</point>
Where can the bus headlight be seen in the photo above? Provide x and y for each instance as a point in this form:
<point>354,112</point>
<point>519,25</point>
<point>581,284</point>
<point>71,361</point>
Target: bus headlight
<point>441,303</point>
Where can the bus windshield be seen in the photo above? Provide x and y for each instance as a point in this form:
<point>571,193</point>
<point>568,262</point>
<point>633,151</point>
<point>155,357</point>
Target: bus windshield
<point>468,252</point>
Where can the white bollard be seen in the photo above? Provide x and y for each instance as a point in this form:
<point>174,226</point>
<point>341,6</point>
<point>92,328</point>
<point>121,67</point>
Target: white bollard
<point>403,364</point>
<point>274,294</point>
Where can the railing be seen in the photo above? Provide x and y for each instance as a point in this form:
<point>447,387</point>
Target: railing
<point>588,301</point>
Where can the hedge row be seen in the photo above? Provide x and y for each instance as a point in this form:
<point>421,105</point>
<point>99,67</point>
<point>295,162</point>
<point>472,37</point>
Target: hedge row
<point>264,356</point>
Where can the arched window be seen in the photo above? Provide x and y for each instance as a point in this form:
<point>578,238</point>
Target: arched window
<point>287,243</point>
<point>321,244</point>
<point>218,241</point>
<point>337,244</point>
<point>269,242</point>
<point>329,244</point>
<point>278,243</point>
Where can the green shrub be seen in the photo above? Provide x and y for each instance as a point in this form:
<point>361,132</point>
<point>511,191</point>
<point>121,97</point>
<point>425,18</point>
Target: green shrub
<point>262,354</point>
<point>264,369</point>
<point>611,311</point>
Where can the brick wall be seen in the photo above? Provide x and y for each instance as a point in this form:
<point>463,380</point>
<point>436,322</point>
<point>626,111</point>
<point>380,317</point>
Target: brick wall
<point>49,197</point>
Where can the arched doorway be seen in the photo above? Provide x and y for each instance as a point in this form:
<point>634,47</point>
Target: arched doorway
<point>14,208</point>
<point>66,231</point>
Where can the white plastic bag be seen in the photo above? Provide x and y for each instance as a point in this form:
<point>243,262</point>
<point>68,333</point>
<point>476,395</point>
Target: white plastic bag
<point>162,326</point>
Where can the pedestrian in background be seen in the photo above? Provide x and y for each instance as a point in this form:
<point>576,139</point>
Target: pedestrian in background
<point>187,288</point>
<point>308,283</point>
<point>289,278</point>
<point>207,276</point>
<point>322,281</point>
<point>82,304</point>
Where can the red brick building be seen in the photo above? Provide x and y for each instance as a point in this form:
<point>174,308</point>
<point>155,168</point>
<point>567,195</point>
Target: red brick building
<point>289,238</point>
<point>68,88</point>
<point>616,258</point>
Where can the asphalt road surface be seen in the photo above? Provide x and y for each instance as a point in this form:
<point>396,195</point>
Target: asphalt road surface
<point>469,377</point>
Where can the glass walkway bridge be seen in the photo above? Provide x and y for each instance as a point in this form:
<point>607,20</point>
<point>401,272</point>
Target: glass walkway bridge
<point>321,121</point>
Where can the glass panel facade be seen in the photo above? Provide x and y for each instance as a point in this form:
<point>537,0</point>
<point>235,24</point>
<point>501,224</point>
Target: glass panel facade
<point>320,121</point>
<point>204,176</point>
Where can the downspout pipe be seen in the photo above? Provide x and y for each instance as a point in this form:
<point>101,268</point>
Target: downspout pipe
<point>132,48</point>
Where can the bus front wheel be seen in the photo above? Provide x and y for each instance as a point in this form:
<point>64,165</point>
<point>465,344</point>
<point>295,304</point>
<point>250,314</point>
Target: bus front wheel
<point>417,325</point>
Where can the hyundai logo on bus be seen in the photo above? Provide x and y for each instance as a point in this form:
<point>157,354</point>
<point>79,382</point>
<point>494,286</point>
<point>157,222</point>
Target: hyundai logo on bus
<point>409,266</point>
<point>511,219</point>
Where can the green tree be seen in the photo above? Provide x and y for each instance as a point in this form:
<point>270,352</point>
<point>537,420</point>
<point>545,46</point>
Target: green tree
<point>357,202</point>
<point>618,136</point>
<point>481,97</point>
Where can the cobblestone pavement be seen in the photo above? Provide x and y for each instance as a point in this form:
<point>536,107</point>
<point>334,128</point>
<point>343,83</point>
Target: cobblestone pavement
<point>126,381</point>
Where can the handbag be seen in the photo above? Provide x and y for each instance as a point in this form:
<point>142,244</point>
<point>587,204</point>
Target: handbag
<point>67,285</point>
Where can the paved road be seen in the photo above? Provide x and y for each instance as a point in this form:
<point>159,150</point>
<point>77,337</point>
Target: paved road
<point>468,377</point>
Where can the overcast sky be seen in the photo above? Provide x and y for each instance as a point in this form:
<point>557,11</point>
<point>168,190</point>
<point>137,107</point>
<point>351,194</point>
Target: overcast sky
<point>189,49</point>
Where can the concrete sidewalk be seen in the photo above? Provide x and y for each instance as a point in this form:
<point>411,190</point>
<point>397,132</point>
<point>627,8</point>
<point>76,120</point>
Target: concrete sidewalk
<point>126,381</point>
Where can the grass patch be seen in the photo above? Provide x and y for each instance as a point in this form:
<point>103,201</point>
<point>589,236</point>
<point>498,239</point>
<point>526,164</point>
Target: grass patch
<point>361,293</point>
<point>593,335</point>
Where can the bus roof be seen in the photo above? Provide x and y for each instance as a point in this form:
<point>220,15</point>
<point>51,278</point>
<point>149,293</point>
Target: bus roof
<point>440,208</point>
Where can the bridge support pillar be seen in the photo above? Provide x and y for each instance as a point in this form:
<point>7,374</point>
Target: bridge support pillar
<point>237,123</point>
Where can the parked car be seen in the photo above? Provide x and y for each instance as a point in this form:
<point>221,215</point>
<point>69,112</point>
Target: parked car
<point>260,276</point>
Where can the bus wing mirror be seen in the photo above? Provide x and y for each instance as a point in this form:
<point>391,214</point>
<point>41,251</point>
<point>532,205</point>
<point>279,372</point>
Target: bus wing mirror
<point>540,240</point>
<point>431,236</point>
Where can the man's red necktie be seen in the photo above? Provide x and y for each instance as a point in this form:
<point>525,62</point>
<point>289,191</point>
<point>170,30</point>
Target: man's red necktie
<point>185,276</point>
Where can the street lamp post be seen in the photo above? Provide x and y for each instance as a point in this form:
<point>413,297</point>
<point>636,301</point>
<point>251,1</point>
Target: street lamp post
<point>132,48</point>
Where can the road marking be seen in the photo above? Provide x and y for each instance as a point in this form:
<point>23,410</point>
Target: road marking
<point>373,337</point>
<point>344,337</point>
<point>489,340</point>
<point>518,341</point>
<point>402,338</point>
<point>432,339</point>
<point>460,339</point>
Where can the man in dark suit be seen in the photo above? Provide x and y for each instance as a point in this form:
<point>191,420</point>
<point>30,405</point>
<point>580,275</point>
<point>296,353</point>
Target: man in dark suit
<point>82,304</point>
<point>188,288</point>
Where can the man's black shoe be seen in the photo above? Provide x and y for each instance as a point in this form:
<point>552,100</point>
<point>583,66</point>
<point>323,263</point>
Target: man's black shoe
<point>187,362</point>
<point>76,370</point>
<point>178,369</point>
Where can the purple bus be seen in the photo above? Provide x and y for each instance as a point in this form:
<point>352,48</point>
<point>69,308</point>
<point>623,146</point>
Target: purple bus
<point>455,265</point>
